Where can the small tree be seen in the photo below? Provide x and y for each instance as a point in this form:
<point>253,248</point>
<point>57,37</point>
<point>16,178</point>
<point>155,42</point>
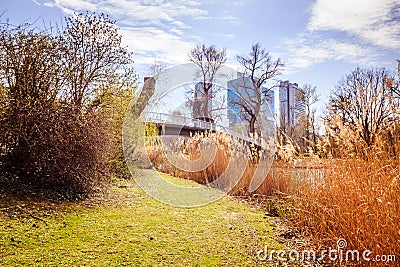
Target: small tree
<point>94,56</point>
<point>308,96</point>
<point>259,67</point>
<point>156,68</point>
<point>208,60</point>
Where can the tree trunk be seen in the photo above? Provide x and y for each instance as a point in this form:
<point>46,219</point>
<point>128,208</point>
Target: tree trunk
<point>252,125</point>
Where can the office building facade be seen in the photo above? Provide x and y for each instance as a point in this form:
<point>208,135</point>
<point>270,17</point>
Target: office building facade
<point>241,90</point>
<point>291,108</point>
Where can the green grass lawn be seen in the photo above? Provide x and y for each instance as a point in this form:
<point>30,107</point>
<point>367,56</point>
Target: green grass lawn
<point>125,227</point>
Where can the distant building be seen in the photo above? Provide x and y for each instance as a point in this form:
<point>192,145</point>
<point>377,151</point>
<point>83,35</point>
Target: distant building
<point>239,90</point>
<point>270,95</point>
<point>242,90</point>
<point>290,108</point>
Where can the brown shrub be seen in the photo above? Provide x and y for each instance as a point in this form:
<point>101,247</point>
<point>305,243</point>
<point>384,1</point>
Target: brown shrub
<point>56,148</point>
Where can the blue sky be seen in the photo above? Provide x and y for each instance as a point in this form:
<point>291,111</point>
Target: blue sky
<point>319,40</point>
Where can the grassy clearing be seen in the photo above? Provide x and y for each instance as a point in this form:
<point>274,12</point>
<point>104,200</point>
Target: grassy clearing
<point>125,227</point>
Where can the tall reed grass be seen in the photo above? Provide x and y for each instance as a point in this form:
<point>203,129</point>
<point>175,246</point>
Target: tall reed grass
<point>227,150</point>
<point>356,200</point>
<point>351,198</point>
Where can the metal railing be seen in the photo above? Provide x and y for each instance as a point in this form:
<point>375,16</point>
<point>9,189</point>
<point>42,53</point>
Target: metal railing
<point>184,121</point>
<point>179,120</point>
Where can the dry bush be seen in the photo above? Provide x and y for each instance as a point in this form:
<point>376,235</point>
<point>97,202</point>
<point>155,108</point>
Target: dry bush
<point>352,199</point>
<point>55,148</point>
<point>63,95</point>
<point>280,180</point>
<point>346,142</point>
<point>355,198</point>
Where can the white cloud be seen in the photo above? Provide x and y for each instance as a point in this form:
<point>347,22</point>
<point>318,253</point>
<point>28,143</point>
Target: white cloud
<point>150,28</point>
<point>148,43</point>
<point>153,28</point>
<point>356,31</point>
<point>149,12</point>
<point>71,6</point>
<point>230,36</point>
<point>374,21</point>
<point>227,16</point>
<point>304,52</point>
<point>238,3</point>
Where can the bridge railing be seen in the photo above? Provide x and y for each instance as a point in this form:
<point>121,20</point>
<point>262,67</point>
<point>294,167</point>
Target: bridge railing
<point>179,120</point>
<point>194,123</point>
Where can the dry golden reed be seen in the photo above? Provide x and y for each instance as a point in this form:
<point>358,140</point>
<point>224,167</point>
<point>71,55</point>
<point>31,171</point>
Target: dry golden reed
<point>226,148</point>
<point>355,198</point>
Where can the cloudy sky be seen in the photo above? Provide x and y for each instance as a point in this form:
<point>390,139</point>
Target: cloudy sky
<point>318,40</point>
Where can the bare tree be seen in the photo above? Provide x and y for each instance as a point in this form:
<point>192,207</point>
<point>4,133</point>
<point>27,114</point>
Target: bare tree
<point>157,67</point>
<point>308,96</point>
<point>259,67</point>
<point>393,84</point>
<point>93,55</point>
<point>208,60</point>
<point>363,101</point>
